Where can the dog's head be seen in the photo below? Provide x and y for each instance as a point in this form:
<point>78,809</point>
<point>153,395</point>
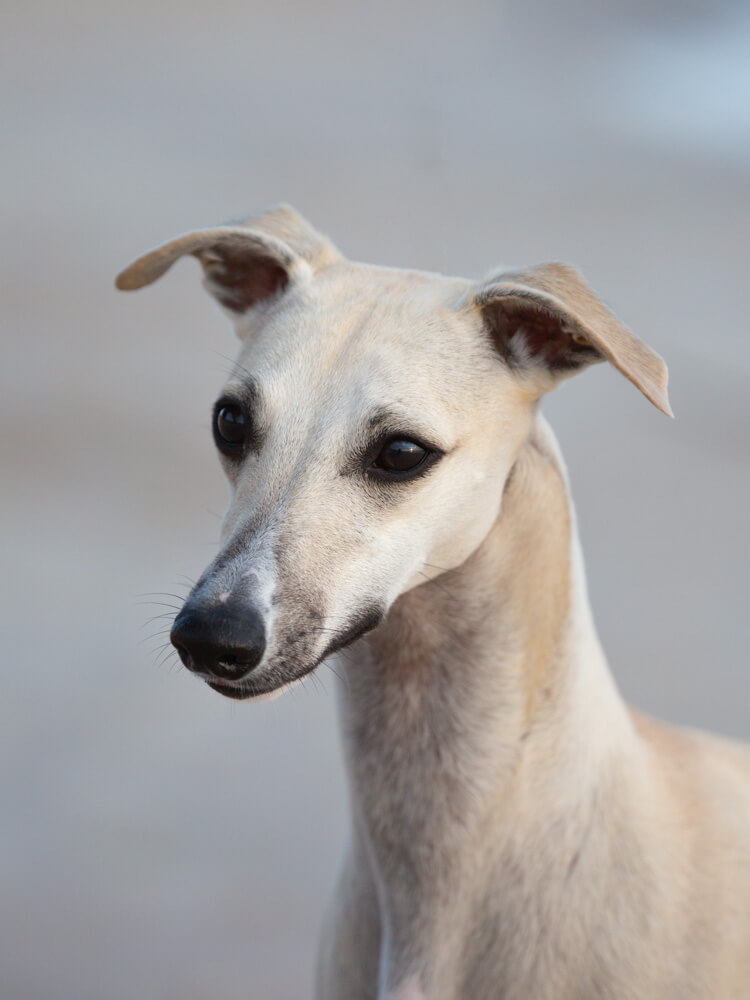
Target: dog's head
<point>367,430</point>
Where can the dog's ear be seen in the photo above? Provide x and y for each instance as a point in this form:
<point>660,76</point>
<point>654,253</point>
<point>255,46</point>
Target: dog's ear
<point>547,319</point>
<point>246,262</point>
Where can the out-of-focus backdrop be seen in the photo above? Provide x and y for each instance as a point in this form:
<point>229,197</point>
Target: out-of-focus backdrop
<point>157,841</point>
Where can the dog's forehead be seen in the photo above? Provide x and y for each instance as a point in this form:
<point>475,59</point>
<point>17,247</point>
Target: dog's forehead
<point>368,334</point>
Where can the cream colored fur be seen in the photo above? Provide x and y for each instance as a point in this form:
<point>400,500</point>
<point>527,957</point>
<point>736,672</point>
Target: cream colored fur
<point>517,832</point>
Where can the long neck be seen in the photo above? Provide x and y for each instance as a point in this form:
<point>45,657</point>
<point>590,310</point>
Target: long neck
<point>479,709</point>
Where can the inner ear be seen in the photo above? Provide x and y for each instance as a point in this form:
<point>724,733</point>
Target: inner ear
<point>548,316</point>
<point>525,331</point>
<point>240,280</point>
<point>242,266</point>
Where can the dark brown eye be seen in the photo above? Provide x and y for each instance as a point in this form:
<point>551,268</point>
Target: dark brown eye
<point>400,456</point>
<point>229,428</point>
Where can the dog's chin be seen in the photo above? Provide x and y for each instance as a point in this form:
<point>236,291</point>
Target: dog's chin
<point>262,689</point>
<point>236,691</point>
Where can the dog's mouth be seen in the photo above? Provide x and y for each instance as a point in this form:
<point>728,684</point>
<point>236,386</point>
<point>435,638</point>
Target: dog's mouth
<point>276,679</point>
<point>238,691</point>
<point>260,689</point>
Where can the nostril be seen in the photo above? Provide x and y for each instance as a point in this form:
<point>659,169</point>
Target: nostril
<point>230,663</point>
<point>234,665</point>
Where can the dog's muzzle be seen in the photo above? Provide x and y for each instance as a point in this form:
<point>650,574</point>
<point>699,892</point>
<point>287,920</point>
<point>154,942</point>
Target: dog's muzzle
<point>222,642</point>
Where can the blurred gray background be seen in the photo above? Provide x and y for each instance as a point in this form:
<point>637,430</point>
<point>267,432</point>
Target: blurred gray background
<point>157,841</point>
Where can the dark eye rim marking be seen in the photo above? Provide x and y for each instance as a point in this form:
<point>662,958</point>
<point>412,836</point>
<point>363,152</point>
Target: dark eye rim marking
<point>432,454</point>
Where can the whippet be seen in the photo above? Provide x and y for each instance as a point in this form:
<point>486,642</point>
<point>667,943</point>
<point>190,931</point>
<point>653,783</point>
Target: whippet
<point>517,831</point>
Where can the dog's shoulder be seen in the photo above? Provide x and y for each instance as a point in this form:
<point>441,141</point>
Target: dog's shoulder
<point>709,776</point>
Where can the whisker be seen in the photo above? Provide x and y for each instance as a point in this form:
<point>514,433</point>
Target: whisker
<point>438,584</point>
<point>155,618</point>
<point>156,635</point>
<point>342,679</point>
<point>165,656</point>
<point>441,569</point>
<point>234,365</point>
<point>162,593</point>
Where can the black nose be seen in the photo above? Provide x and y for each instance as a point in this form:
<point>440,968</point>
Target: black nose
<point>220,640</point>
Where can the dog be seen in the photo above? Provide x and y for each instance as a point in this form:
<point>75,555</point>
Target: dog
<point>517,831</point>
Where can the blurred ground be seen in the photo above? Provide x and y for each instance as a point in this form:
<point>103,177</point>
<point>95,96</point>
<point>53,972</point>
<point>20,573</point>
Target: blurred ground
<point>157,841</point>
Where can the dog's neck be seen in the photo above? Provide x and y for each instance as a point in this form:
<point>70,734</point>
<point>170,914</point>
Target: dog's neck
<point>481,708</point>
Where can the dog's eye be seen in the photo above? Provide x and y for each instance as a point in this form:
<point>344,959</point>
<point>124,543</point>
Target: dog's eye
<point>400,456</point>
<point>230,427</point>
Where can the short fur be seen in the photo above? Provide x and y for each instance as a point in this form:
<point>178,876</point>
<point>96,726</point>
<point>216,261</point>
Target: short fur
<point>517,831</point>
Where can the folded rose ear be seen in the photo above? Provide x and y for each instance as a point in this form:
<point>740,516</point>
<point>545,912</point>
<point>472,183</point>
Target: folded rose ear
<point>245,262</point>
<point>547,318</point>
